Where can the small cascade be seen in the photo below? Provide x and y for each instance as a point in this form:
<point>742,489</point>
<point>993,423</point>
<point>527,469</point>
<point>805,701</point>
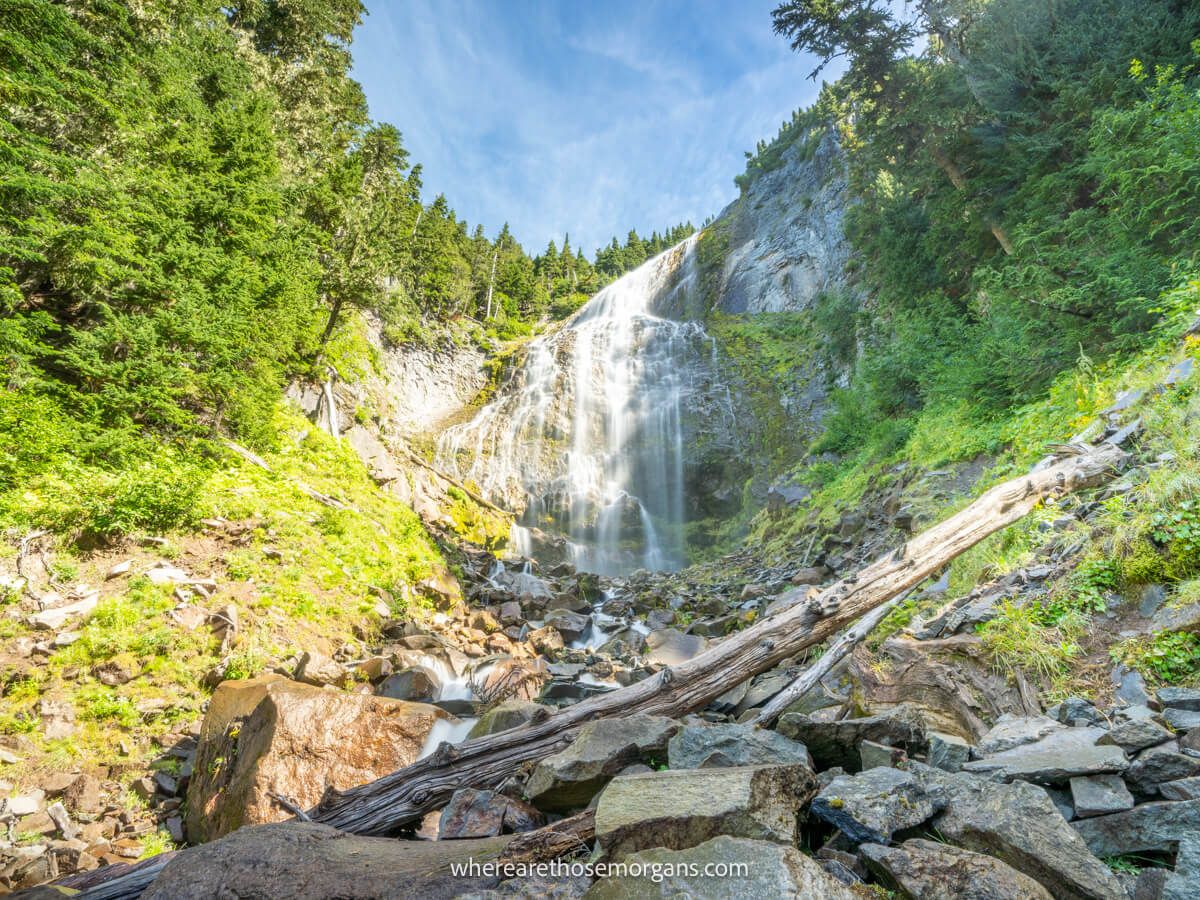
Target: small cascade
<point>587,438</point>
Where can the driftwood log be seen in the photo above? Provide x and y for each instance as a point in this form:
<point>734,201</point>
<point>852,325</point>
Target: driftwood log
<point>388,804</point>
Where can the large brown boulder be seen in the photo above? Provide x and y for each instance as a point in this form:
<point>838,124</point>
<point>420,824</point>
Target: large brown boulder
<point>270,736</point>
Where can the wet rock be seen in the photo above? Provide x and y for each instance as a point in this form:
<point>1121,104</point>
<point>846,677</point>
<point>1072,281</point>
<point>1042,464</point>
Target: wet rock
<point>947,752</point>
<point>1018,824</point>
<point>546,640</point>
<point>670,647</point>
<point>571,625</point>
<point>474,814</point>
<point>415,683</point>
<point>1136,734</point>
<point>715,746</point>
<point>506,715</point>
<point>1159,764</point>
<point>871,806</point>
<point>601,749</point>
<point>510,613</point>
<point>932,871</point>
<point>837,743</point>
<point>1183,789</point>
<point>1013,731</point>
<point>680,809</point>
<point>773,870</point>
<point>302,860</point>
<point>1054,759</point>
<point>1098,795</point>
<point>1153,827</point>
<point>270,736</point>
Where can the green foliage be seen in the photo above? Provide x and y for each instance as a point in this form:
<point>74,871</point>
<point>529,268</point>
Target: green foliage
<point>1179,528</point>
<point>1169,657</point>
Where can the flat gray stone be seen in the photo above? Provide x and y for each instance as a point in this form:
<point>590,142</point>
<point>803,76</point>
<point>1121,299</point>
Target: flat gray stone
<point>1157,826</point>
<point>1098,795</point>
<point>1158,764</point>
<point>1183,789</point>
<point>1181,719</point>
<point>871,806</point>
<point>1018,824</point>
<point>602,748</point>
<point>1136,734</point>
<point>713,746</point>
<point>670,647</point>
<point>773,871</point>
<point>1054,759</point>
<point>1177,618</point>
<point>838,743</point>
<point>1180,698</point>
<point>933,871</point>
<point>1013,731</point>
<point>683,808</point>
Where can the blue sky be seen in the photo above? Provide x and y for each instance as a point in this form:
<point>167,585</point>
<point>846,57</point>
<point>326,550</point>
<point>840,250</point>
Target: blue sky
<point>583,117</point>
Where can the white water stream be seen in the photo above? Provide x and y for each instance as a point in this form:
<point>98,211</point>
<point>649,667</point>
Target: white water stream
<point>587,439</point>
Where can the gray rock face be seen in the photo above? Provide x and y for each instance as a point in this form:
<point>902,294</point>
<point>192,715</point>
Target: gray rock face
<point>786,239</point>
<point>1054,759</point>
<point>1159,764</point>
<point>837,743</point>
<point>1013,731</point>
<point>602,749</point>
<point>297,861</point>
<point>1155,826</point>
<point>1181,719</point>
<point>1018,824</point>
<point>475,814</point>
<point>1098,795</point>
<point>571,625</point>
<point>681,809</point>
<point>933,871</point>
<point>1177,618</point>
<point>716,746</point>
<point>1135,735</point>
<point>871,806</point>
<point>773,871</point>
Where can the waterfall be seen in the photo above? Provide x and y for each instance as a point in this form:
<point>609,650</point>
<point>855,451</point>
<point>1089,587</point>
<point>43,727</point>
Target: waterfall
<point>587,439</point>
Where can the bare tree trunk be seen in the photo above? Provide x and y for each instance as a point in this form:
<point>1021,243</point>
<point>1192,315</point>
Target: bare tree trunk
<point>491,283</point>
<point>384,806</point>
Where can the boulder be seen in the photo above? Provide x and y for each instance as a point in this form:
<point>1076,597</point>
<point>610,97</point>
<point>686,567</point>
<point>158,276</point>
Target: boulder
<point>1076,712</point>
<point>415,683</point>
<point>1018,824</point>
<point>473,813</point>
<point>1181,719</point>
<point>1136,734</point>
<point>1159,764</point>
<point>680,809</point>
<point>837,743</point>
<point>871,806</point>
<point>506,715</point>
<point>932,871</point>
<point>1055,759</point>
<point>947,752</point>
<point>1098,795</point>
<point>1157,826</point>
<point>1176,618</point>
<point>601,749</point>
<point>571,625</point>
<point>317,669</point>
<point>714,746</point>
<point>771,870</point>
<point>670,647</point>
<point>302,860</point>
<point>270,736</point>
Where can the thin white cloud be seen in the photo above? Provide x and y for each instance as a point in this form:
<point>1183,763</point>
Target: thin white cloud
<point>516,117</point>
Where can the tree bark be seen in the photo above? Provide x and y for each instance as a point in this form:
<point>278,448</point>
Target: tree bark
<point>384,806</point>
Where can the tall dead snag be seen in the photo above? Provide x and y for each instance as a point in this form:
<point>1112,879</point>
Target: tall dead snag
<point>385,806</point>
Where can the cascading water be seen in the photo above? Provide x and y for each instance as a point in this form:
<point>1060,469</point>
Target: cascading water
<point>587,439</point>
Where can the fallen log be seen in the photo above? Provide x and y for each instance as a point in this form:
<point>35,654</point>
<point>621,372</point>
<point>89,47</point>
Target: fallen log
<point>835,653</point>
<point>553,840</point>
<point>386,805</point>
